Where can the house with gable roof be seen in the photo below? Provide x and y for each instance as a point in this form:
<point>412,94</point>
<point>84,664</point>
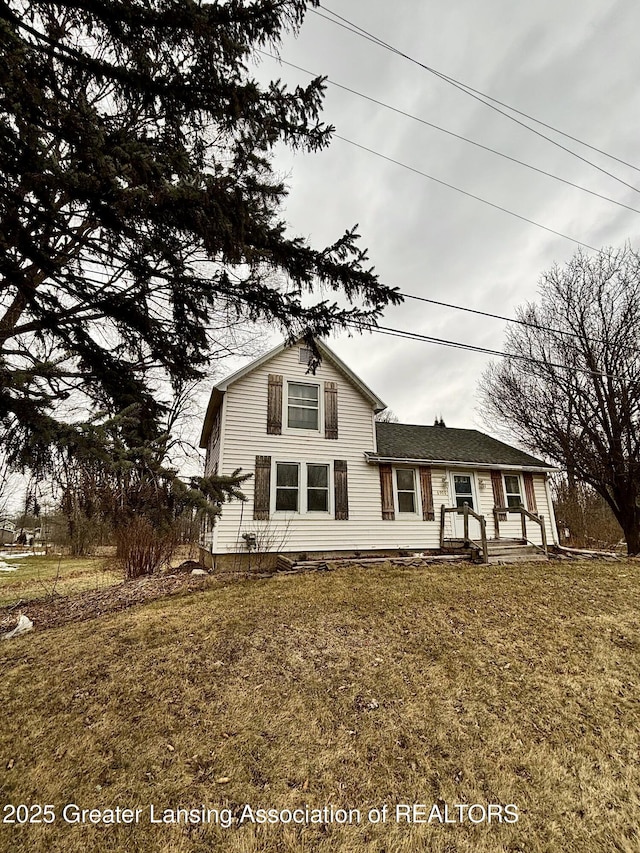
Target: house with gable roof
<point>329,479</point>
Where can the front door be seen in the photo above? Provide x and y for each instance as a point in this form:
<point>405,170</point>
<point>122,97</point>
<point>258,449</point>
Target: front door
<point>464,491</point>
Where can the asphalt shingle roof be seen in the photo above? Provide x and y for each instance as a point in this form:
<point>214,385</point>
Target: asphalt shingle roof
<point>443,444</point>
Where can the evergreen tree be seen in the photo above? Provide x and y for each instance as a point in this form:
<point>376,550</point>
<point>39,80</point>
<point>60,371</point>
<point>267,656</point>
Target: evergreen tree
<point>138,202</point>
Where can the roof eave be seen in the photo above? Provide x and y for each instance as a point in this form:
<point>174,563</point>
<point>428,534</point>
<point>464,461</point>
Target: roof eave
<point>376,459</point>
<point>215,401</point>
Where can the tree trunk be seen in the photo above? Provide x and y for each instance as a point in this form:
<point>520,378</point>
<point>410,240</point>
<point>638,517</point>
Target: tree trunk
<point>629,520</point>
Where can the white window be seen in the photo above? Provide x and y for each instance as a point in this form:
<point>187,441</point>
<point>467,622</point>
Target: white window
<point>303,406</point>
<point>287,487</point>
<point>302,487</point>
<point>512,490</point>
<point>317,488</point>
<point>406,489</point>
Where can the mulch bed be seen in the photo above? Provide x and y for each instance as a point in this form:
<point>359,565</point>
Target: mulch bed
<point>82,606</point>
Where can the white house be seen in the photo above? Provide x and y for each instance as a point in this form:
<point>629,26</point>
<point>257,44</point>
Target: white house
<point>328,478</point>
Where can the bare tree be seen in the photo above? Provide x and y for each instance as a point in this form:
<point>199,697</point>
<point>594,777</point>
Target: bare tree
<point>387,416</point>
<point>571,386</point>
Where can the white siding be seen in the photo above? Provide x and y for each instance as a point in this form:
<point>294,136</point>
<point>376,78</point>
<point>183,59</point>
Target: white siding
<point>213,447</point>
<point>245,436</point>
<point>542,502</point>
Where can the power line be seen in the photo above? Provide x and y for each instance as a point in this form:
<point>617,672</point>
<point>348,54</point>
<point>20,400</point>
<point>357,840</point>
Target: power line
<point>453,306</point>
<point>453,134</point>
<point>465,192</point>
<point>362,33</point>
<point>417,336</point>
<point>537,326</point>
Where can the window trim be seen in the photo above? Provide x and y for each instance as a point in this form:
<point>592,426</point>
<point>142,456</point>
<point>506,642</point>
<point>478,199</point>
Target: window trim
<point>302,430</point>
<point>506,474</point>
<point>288,488</point>
<point>417,507</point>
<point>303,495</point>
<point>326,488</point>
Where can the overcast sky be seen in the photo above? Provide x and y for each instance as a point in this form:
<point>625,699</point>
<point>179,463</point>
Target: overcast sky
<point>573,64</point>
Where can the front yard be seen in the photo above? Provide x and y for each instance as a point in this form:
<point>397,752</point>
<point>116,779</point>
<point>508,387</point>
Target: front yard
<point>355,689</point>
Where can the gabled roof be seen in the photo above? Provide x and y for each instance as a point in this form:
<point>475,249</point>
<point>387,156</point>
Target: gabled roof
<point>438,444</point>
<point>217,393</point>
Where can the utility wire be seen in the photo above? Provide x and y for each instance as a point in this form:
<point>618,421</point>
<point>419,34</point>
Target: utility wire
<point>416,336</point>
<point>442,341</point>
<point>537,326</point>
<point>451,133</point>
<point>378,41</point>
<point>362,33</point>
<point>465,192</point>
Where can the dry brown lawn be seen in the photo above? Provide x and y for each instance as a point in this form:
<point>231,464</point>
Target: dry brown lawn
<point>40,576</point>
<point>356,688</point>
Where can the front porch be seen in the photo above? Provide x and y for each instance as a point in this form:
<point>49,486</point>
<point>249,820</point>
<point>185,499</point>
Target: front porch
<point>476,543</point>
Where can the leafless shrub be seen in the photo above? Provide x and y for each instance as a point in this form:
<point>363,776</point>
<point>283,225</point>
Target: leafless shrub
<point>142,550</point>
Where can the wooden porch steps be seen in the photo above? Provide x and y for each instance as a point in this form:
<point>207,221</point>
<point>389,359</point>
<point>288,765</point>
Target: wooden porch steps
<point>510,551</point>
<point>499,550</point>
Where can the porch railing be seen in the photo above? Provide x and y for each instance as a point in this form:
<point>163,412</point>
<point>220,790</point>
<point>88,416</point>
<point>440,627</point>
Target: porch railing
<point>467,511</point>
<point>524,515</point>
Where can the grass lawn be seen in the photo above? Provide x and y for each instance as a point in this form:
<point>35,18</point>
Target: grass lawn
<point>354,688</point>
<point>40,576</point>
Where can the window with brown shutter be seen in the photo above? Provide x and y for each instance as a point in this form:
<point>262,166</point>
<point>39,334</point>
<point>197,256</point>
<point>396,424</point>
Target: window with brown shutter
<point>330,410</point>
<point>529,492</point>
<point>386,492</point>
<point>262,489</point>
<point>426,493</point>
<point>341,492</point>
<point>498,493</point>
<point>274,405</point>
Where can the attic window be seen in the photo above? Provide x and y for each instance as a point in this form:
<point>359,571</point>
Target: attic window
<point>304,354</point>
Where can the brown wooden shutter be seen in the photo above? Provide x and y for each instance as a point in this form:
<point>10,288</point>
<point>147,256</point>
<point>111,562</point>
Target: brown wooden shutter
<point>529,493</point>
<point>341,493</point>
<point>262,493</point>
<point>274,405</point>
<point>330,410</point>
<point>426,492</point>
<point>386,492</point>
<point>498,493</point>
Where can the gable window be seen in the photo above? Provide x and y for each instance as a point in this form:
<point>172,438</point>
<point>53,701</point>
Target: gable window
<point>406,489</point>
<point>512,490</point>
<point>287,487</point>
<point>303,406</point>
<point>317,488</point>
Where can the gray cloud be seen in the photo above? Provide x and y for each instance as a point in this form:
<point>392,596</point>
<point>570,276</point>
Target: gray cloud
<point>573,64</point>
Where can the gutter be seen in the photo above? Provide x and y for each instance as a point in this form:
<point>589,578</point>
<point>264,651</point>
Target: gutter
<point>374,459</point>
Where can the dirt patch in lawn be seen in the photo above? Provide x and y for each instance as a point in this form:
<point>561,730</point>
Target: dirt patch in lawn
<point>82,606</point>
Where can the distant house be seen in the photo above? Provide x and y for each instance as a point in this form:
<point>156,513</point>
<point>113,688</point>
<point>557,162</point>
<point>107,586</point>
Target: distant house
<point>7,532</point>
<point>328,478</point>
